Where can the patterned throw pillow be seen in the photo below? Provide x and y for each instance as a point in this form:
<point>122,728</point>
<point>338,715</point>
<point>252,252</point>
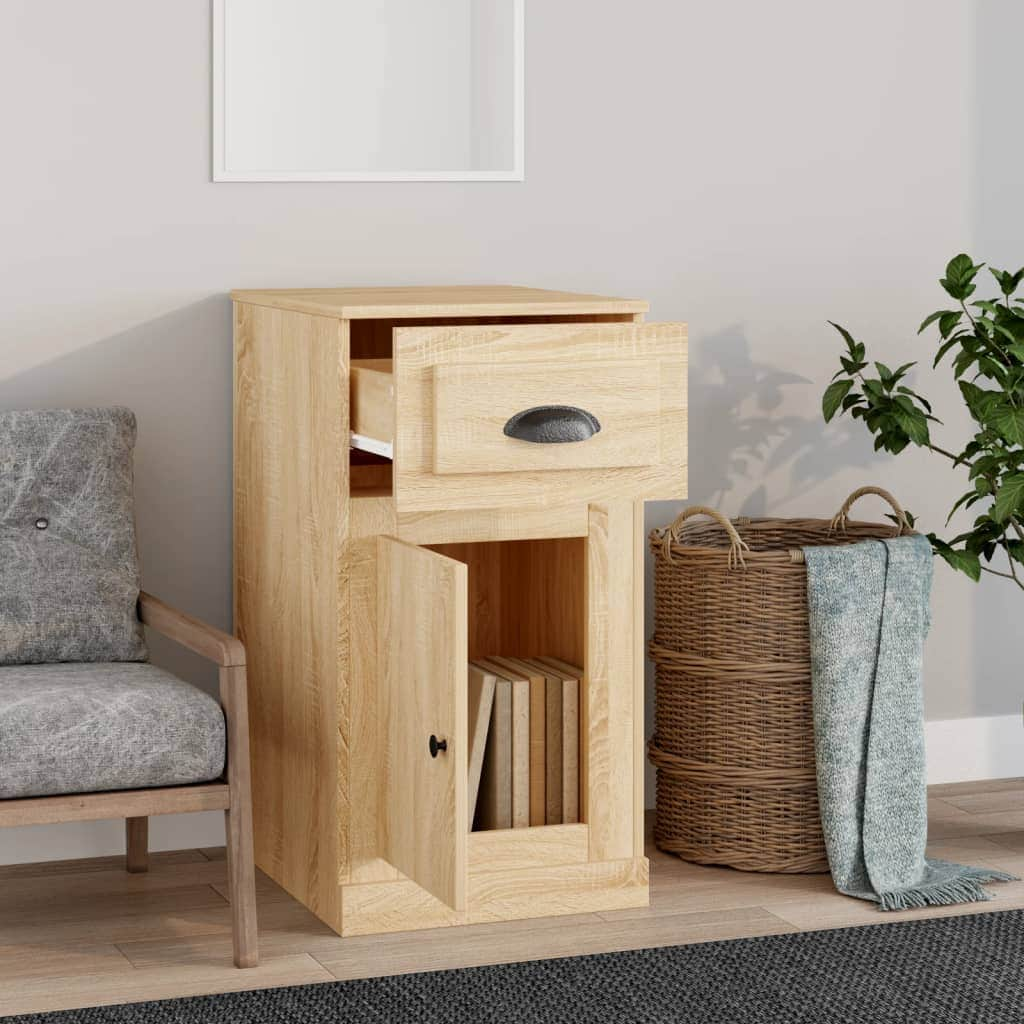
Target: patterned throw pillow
<point>69,570</point>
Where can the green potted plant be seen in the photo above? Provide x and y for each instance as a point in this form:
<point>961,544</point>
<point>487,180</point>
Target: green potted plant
<point>984,339</point>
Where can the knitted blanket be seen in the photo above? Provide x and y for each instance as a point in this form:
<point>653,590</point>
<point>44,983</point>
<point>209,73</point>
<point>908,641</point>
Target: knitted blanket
<point>869,615</point>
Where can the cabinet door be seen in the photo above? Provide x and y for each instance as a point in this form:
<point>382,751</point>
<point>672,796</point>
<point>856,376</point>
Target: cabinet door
<point>423,652</point>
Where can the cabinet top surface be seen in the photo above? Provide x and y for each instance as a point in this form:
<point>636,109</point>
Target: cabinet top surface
<point>444,301</point>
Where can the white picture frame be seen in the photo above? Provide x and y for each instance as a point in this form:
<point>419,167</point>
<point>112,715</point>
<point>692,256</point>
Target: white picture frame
<point>222,172</point>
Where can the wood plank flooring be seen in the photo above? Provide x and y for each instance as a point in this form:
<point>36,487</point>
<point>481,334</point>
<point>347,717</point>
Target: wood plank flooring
<point>86,933</point>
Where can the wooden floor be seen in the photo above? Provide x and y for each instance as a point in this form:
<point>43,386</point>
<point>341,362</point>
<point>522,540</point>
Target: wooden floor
<point>83,933</point>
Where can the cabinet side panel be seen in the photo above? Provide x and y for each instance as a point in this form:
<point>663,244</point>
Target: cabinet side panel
<point>370,517</point>
<point>609,696</point>
<point>291,592</point>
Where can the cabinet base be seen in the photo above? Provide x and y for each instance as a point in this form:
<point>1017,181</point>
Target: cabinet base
<point>548,891</point>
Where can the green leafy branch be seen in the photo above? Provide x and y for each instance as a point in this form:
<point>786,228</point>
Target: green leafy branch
<point>985,338</point>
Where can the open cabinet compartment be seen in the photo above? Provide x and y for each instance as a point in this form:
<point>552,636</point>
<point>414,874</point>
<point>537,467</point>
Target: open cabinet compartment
<point>439,607</point>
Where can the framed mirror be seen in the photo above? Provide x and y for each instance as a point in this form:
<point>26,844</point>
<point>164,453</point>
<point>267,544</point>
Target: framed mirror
<point>368,90</point>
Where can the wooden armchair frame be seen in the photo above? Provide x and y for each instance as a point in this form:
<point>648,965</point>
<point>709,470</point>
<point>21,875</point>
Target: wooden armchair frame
<point>232,793</point>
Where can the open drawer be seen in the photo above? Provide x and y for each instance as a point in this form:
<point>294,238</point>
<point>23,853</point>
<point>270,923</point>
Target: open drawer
<point>511,414</point>
<point>439,607</point>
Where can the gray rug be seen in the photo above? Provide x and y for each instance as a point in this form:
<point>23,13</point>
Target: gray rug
<point>958,970</point>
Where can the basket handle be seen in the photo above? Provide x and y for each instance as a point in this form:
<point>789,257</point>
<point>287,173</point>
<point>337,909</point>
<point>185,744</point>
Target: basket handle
<point>737,545</point>
<point>839,520</point>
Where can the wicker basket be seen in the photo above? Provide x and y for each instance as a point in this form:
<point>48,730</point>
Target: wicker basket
<point>734,740</point>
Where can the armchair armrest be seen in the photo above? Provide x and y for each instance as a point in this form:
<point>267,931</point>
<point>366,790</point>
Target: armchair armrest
<point>213,644</point>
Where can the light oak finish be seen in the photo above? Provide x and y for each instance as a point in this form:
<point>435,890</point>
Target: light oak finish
<point>493,524</point>
<point>363,744</point>
<point>358,579</point>
<point>445,301</point>
<point>373,399</point>
<point>421,650</point>
<point>526,848</point>
<point>607,758</point>
<point>473,402</point>
<point>499,896</point>
<point>291,511</point>
<point>86,933</point>
<point>423,353</point>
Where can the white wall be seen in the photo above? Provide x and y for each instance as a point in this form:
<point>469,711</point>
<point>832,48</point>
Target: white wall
<point>751,168</point>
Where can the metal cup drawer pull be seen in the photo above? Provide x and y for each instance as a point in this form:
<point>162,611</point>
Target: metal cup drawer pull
<point>552,424</point>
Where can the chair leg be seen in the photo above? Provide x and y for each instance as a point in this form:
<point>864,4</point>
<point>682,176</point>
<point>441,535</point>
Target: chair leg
<point>242,887</point>
<point>136,831</point>
<point>238,821</point>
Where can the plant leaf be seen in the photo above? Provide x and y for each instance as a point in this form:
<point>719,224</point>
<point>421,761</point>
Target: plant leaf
<point>964,561</point>
<point>932,317</point>
<point>833,397</point>
<point>1008,498</point>
<point>1009,421</point>
<point>948,322</point>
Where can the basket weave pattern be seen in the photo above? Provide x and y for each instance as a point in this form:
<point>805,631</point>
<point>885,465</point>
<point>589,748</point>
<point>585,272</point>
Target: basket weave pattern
<point>734,738</point>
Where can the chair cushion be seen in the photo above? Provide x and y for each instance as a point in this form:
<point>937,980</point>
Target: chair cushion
<point>69,582</point>
<point>99,726</point>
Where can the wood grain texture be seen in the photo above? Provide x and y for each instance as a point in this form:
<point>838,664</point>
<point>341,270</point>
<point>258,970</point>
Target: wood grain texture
<point>373,399</point>
<point>125,803</point>
<point>291,593</point>
<point>136,838</point>
<point>608,694</point>
<point>238,818</point>
<point>525,597</point>
<point>499,896</point>
<point>363,737</point>
<point>527,848</point>
<point>494,524</point>
<point>474,401</point>
<point>420,351</point>
<point>421,645</point>
<point>637,653</point>
<point>443,301</point>
<point>200,637</point>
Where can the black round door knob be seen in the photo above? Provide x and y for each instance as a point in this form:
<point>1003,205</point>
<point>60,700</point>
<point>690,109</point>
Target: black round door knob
<point>437,745</point>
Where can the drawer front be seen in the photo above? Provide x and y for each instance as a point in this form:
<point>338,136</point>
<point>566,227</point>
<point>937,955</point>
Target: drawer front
<point>457,387</point>
<point>474,403</point>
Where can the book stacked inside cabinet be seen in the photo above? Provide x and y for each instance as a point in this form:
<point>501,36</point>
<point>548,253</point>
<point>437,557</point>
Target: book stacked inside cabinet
<point>524,730</point>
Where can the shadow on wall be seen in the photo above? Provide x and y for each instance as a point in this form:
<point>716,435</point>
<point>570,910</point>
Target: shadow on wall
<point>744,439</point>
<point>745,442</point>
<point>175,373</point>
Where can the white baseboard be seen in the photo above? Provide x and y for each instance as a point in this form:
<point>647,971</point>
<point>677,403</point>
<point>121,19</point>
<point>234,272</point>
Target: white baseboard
<point>106,838</point>
<point>966,749</point>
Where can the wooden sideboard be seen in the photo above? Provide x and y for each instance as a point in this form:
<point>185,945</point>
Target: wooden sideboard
<point>365,580</point>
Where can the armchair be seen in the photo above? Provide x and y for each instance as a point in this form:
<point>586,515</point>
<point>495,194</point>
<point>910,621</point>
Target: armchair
<point>89,729</point>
